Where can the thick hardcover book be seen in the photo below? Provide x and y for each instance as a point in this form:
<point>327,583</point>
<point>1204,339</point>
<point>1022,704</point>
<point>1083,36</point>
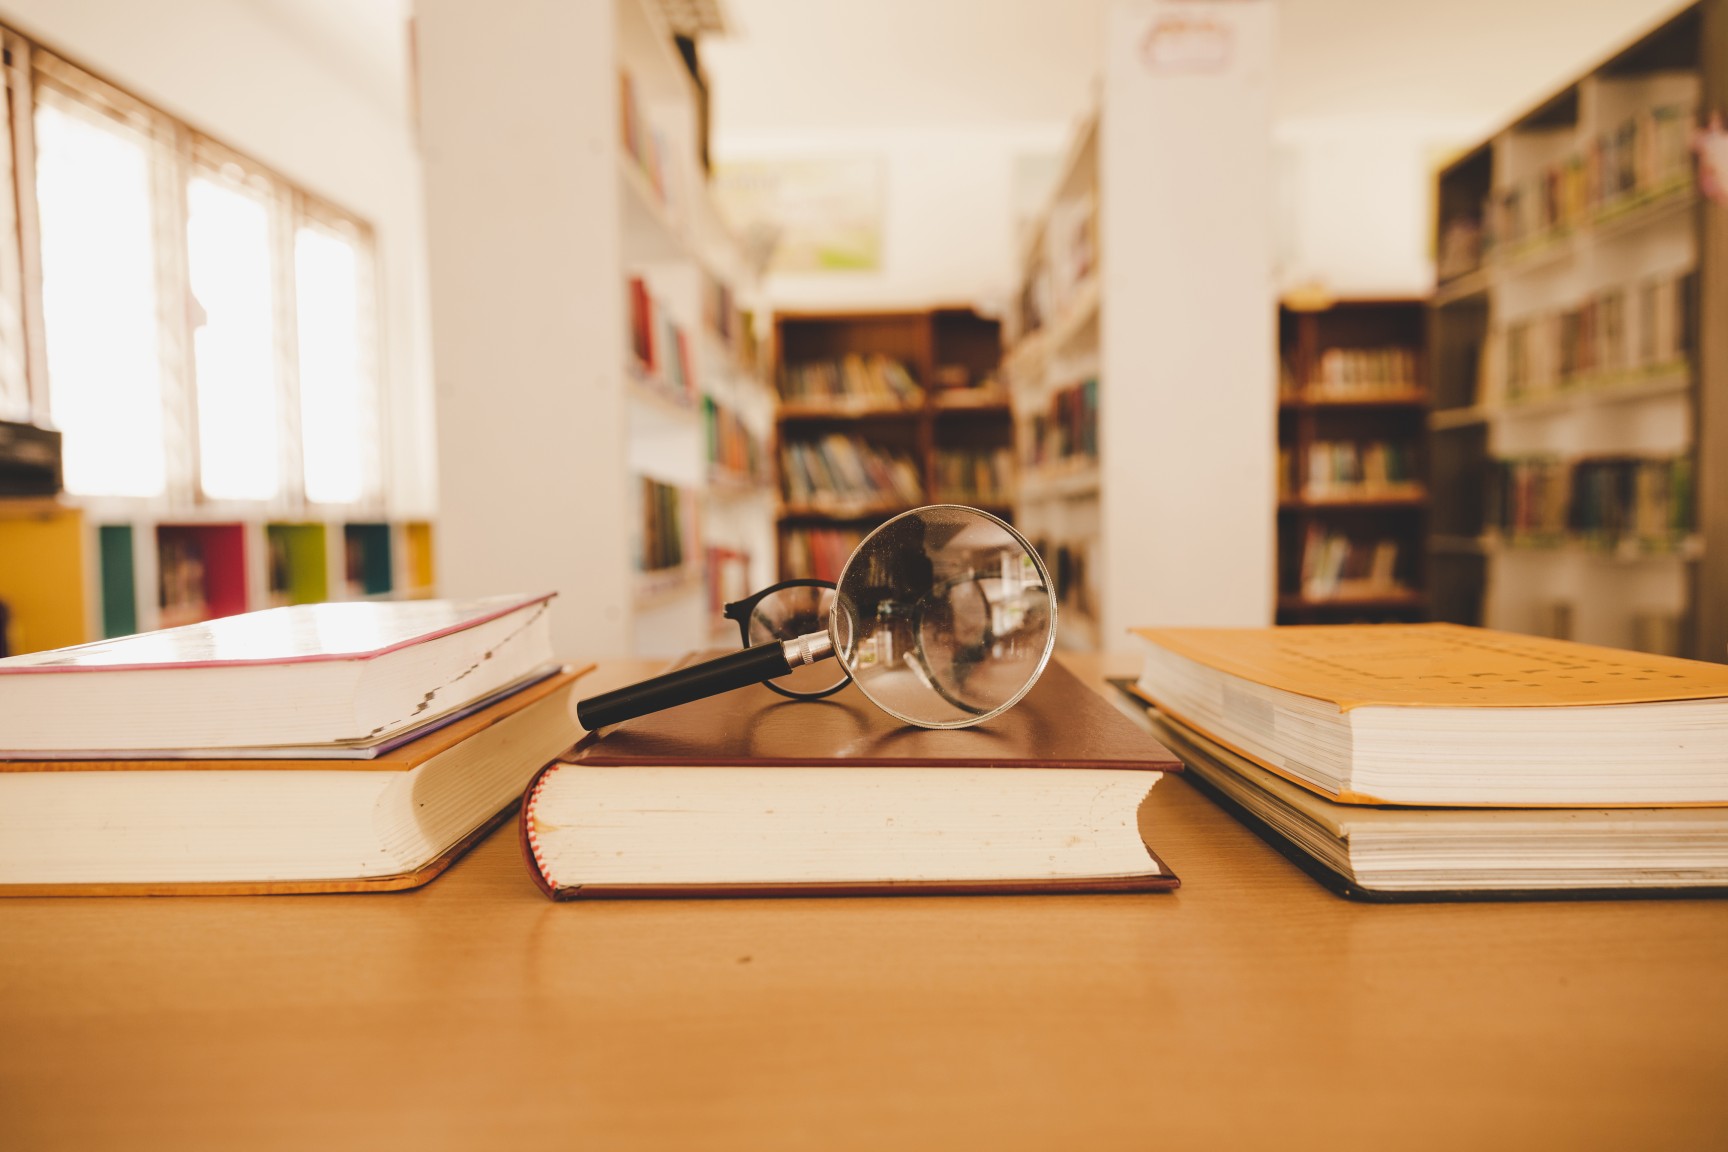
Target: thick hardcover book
<point>1432,854</point>
<point>132,827</point>
<point>1442,714</point>
<point>345,676</point>
<point>749,793</point>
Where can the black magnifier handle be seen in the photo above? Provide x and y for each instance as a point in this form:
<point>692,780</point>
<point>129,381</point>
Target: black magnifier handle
<point>698,681</point>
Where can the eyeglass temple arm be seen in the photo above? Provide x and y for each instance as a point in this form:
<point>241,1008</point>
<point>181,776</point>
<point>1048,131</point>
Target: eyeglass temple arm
<point>699,681</point>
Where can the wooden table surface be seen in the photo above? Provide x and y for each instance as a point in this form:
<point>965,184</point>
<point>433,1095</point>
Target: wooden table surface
<point>1251,1009</point>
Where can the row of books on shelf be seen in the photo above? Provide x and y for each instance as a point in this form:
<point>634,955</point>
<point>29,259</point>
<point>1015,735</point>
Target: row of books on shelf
<point>1070,569</point>
<point>975,475</point>
<point>817,552</point>
<point>873,380</point>
<point>1067,428</point>
<point>644,144</point>
<point>1337,469</point>
<point>1650,325</point>
<point>1643,156</point>
<point>840,471</point>
<point>1336,565</point>
<point>726,318</point>
<point>665,525</point>
<point>1354,373</point>
<point>734,452</point>
<point>660,346</point>
<point>1611,502</point>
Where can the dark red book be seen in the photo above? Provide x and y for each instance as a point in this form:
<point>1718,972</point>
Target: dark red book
<point>749,793</point>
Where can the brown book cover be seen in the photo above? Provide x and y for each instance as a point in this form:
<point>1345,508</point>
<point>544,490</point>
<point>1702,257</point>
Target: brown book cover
<point>1060,723</point>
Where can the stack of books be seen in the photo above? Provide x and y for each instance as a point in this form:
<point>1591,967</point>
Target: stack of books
<point>1436,761</point>
<point>315,748</point>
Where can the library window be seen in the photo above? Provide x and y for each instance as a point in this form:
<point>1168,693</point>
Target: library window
<point>206,325</point>
<point>101,322</point>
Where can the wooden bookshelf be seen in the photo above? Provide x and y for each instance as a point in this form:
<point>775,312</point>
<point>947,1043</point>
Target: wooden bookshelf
<point>1578,445</point>
<point>951,435</point>
<point>1352,491</point>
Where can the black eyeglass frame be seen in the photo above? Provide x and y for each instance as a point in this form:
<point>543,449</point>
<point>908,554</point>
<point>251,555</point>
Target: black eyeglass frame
<point>741,611</point>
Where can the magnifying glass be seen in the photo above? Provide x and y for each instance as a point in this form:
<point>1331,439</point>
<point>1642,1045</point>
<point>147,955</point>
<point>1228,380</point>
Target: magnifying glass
<point>944,617</point>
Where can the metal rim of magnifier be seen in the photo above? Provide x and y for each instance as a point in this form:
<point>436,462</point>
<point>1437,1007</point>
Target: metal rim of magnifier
<point>1043,576</point>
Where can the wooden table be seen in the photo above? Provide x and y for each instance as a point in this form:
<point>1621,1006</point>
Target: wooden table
<point>1251,1009</point>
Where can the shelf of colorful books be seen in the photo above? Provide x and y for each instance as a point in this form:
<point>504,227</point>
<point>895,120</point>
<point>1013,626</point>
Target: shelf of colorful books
<point>655,391</point>
<point>803,413</point>
<point>1627,215</point>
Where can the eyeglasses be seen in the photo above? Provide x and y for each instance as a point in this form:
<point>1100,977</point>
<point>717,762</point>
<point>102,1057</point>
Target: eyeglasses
<point>786,611</point>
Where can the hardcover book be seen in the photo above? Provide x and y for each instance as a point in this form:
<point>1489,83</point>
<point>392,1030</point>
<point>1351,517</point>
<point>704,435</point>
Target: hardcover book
<point>346,676</point>
<point>140,827</point>
<point>1443,714</point>
<point>749,794</point>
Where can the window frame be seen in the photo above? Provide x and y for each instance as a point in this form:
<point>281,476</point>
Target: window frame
<point>181,153</point>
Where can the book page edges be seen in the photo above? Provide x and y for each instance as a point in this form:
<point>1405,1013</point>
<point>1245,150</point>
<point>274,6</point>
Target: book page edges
<point>1363,799</point>
<point>397,882</point>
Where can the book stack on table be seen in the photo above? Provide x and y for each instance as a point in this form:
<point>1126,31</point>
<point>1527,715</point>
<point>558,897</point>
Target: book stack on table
<point>1436,761</point>
<point>314,748</point>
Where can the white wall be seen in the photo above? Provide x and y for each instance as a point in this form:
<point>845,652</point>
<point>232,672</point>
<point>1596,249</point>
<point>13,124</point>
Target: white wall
<point>241,72</point>
<point>947,220</point>
<point>1355,203</point>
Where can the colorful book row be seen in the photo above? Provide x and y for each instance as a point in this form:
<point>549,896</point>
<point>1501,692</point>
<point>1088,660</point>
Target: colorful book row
<point>199,571</point>
<point>1644,155</point>
<point>661,348</point>
<point>817,553</point>
<point>1338,566</point>
<point>1603,501</point>
<point>1354,372</point>
<point>1650,325</point>
<point>1067,429</point>
<point>975,475</point>
<point>665,525</point>
<point>734,452</point>
<point>838,470</point>
<point>874,380</point>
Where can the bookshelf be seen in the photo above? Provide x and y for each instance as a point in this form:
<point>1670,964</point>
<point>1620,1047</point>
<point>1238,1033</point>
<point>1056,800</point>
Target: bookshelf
<point>1141,342</point>
<point>73,571</point>
<point>1352,492</point>
<point>606,425</point>
<point>1578,441</point>
<point>880,412</point>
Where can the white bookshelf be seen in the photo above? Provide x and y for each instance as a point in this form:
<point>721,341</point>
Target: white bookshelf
<point>1174,318</point>
<point>1631,591</point>
<point>539,214</point>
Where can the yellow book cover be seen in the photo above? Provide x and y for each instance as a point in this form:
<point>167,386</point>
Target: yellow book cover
<point>1443,714</point>
<point>1440,666</point>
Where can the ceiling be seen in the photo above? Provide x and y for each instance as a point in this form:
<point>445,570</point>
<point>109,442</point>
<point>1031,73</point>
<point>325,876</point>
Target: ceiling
<point>796,67</point>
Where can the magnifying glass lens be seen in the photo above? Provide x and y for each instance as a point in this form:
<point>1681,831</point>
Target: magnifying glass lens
<point>945,616</point>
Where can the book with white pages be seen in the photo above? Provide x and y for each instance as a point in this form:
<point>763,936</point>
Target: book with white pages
<point>342,677</point>
<point>1443,714</point>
